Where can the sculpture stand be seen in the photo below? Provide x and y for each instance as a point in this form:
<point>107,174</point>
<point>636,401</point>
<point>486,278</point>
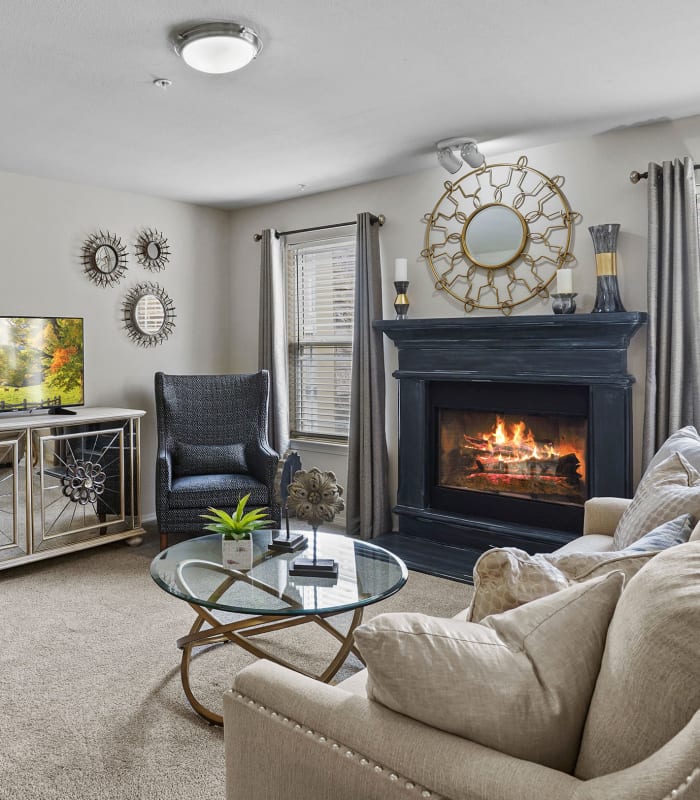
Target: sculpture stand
<point>314,567</point>
<point>289,542</point>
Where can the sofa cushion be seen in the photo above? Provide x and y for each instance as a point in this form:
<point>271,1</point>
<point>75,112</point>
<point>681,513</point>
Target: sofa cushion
<point>648,687</point>
<point>219,491</point>
<point>209,459</point>
<point>503,683</point>
<point>670,488</point>
<point>506,578</point>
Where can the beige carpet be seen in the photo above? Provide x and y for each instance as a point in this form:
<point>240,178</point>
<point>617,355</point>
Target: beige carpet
<point>91,702</point>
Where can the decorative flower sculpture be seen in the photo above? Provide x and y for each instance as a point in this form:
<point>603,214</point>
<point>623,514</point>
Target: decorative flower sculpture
<point>83,482</point>
<point>315,496</point>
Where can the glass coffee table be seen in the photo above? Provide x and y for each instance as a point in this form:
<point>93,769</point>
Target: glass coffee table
<point>269,598</point>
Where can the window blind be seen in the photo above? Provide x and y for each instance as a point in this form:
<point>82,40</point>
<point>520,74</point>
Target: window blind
<point>320,307</point>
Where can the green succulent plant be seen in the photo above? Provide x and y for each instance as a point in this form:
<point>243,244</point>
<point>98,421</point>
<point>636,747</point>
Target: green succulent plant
<point>241,524</point>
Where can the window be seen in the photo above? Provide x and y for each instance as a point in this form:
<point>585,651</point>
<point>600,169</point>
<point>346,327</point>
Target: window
<point>320,302</point>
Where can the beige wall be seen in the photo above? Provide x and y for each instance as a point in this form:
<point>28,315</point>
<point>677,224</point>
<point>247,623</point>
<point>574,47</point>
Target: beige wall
<point>596,171</point>
<point>42,226</point>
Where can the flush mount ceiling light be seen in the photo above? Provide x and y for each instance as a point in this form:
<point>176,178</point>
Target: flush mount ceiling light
<point>218,47</point>
<point>468,149</point>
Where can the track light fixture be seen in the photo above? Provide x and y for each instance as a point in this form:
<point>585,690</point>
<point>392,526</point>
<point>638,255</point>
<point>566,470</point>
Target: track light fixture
<point>467,148</point>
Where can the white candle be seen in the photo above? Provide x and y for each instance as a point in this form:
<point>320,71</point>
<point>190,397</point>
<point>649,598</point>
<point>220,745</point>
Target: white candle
<point>401,269</point>
<point>565,282</point>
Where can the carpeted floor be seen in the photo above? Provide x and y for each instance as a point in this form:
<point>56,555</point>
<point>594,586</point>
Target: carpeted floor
<point>91,703</point>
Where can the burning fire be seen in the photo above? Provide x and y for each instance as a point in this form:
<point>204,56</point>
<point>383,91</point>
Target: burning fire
<point>518,445</point>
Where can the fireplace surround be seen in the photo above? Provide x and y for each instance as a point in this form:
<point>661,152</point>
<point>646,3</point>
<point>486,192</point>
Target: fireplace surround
<point>507,425</point>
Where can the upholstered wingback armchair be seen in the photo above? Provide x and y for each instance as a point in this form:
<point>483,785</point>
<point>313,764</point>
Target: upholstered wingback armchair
<point>212,448</point>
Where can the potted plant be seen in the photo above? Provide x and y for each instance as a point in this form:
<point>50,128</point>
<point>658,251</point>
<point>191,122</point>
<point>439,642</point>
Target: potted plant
<point>236,530</point>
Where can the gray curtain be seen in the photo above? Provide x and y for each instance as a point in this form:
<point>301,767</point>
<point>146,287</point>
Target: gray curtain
<point>368,509</point>
<point>272,347</point>
<point>673,289</point>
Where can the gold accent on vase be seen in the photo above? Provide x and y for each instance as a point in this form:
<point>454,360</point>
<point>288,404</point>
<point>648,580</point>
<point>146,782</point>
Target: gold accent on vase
<point>401,299</point>
<point>606,263</point>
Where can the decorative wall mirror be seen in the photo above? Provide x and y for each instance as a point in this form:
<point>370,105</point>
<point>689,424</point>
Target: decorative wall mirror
<point>152,249</point>
<point>498,235</point>
<point>104,258</point>
<point>148,314</point>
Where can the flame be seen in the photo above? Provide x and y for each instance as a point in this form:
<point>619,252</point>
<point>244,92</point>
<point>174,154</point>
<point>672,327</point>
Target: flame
<point>514,444</point>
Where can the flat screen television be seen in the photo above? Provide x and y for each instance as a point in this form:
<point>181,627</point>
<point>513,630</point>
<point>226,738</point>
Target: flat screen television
<point>41,363</point>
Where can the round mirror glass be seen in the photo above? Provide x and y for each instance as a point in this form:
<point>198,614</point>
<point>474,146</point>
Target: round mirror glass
<point>149,314</point>
<point>494,236</point>
<point>105,259</point>
<point>152,250</point>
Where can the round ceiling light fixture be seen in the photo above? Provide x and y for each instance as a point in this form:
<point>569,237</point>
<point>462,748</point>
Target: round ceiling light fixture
<point>218,47</point>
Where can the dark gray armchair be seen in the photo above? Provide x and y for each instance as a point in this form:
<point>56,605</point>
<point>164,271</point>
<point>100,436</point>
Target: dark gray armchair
<point>212,448</point>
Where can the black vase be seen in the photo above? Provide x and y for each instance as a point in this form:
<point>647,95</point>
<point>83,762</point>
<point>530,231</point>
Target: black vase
<point>607,291</point>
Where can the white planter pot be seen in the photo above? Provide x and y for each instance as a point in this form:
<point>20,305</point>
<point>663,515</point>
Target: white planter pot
<point>237,554</point>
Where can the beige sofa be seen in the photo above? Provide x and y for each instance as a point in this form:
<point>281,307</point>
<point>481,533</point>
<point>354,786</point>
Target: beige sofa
<point>291,737</point>
<point>288,736</point>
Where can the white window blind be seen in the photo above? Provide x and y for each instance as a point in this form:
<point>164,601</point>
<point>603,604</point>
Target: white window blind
<point>320,303</point>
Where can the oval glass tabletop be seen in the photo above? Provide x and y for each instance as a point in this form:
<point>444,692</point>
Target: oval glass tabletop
<point>193,571</point>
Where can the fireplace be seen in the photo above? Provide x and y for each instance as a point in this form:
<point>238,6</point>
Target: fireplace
<point>508,425</point>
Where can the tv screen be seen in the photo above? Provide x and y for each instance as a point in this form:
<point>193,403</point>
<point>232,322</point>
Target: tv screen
<point>41,363</point>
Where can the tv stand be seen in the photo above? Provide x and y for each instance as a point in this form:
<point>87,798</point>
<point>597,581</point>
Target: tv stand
<point>68,484</point>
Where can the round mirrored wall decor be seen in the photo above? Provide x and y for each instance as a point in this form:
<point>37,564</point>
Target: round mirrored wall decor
<point>498,235</point>
<point>148,314</point>
<point>104,258</point>
<point>152,249</point>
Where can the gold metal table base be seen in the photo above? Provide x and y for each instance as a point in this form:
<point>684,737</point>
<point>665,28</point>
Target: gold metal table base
<point>241,631</point>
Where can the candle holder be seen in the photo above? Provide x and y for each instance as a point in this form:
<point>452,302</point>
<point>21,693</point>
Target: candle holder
<point>605,245</point>
<point>401,302</point>
<point>564,303</point>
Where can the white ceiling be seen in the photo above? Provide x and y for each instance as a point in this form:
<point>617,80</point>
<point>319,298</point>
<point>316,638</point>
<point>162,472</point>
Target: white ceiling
<point>344,91</point>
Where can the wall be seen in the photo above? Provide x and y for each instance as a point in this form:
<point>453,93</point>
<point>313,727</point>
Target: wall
<point>43,224</point>
<point>596,171</point>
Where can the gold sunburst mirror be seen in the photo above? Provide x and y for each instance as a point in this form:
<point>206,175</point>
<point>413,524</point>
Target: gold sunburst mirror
<point>104,258</point>
<point>497,236</point>
<point>152,249</point>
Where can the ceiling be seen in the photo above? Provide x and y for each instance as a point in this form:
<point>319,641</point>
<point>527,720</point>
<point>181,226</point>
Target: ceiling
<point>344,91</point>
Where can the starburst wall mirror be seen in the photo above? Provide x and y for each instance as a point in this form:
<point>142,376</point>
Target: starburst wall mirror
<point>497,236</point>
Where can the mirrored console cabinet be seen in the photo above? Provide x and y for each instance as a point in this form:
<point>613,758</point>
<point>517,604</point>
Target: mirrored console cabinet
<point>68,482</point>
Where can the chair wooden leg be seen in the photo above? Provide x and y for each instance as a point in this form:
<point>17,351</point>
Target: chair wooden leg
<point>163,541</point>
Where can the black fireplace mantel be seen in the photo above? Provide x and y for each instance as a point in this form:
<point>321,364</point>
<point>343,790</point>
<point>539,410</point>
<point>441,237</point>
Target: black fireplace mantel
<point>588,350</point>
<point>581,347</point>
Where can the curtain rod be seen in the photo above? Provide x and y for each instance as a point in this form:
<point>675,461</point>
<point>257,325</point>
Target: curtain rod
<point>635,176</point>
<point>380,218</point>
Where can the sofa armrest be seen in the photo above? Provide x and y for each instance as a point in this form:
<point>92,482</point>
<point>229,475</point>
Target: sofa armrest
<point>657,776</point>
<point>601,514</point>
<point>287,735</point>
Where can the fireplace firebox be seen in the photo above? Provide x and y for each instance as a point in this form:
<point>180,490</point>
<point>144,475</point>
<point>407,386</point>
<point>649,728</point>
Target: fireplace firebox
<point>508,425</point>
<point>509,451</point>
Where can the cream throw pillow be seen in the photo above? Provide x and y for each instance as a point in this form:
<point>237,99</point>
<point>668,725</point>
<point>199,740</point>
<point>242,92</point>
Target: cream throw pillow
<point>505,578</point>
<point>667,489</point>
<point>519,683</point>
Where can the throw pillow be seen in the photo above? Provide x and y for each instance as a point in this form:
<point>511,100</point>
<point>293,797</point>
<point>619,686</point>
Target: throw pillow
<point>685,441</point>
<point>506,578</point>
<point>520,682</point>
<point>668,534</point>
<point>648,687</point>
<point>209,459</point>
<point>670,488</point>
